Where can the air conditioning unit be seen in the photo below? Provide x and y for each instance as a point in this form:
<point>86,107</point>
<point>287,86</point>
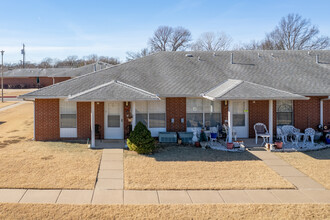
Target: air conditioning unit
<point>168,137</point>
<point>186,137</point>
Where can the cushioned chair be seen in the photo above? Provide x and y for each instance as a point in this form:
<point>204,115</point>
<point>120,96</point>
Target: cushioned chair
<point>260,130</point>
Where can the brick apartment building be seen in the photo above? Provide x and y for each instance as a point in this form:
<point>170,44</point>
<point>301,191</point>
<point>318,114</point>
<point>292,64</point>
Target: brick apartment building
<point>38,77</point>
<point>180,91</point>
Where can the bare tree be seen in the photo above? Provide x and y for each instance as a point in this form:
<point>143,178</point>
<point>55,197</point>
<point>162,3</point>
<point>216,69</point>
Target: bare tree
<point>135,55</point>
<point>292,33</point>
<point>166,38</point>
<point>180,39</point>
<point>46,63</point>
<point>110,60</point>
<point>210,41</point>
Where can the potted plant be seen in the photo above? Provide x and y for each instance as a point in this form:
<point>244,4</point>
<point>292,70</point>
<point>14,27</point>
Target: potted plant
<point>230,145</point>
<point>278,144</point>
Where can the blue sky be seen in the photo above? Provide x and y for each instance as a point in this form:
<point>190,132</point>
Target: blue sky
<point>61,28</point>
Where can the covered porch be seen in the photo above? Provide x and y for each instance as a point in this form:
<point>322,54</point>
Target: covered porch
<point>238,95</point>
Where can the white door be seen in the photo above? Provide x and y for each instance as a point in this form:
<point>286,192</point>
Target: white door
<point>240,118</point>
<point>113,116</point>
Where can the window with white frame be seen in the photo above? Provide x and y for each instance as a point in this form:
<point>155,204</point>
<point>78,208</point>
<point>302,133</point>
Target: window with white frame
<point>203,113</point>
<point>239,114</point>
<point>68,114</point>
<point>151,113</point>
<point>157,114</point>
<point>284,112</point>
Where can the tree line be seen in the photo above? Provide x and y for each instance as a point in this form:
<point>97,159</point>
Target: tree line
<point>70,61</point>
<point>293,32</point>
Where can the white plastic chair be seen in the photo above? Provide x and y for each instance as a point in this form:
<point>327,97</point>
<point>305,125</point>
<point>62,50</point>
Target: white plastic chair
<point>309,132</point>
<point>280,134</point>
<point>260,130</point>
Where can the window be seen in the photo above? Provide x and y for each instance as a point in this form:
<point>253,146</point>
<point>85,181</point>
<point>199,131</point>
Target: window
<point>194,112</point>
<point>284,112</point>
<point>141,112</point>
<point>238,114</point>
<point>212,112</point>
<point>68,114</point>
<point>152,114</point>
<point>157,112</point>
<point>203,112</point>
<point>114,115</point>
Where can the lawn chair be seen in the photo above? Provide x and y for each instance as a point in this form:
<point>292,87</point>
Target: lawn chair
<point>309,132</point>
<point>281,135</point>
<point>260,130</point>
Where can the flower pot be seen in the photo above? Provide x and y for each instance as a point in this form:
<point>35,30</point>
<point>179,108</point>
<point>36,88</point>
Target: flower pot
<point>279,144</point>
<point>197,144</point>
<point>230,145</point>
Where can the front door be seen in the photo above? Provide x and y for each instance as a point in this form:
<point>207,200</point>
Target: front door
<point>113,116</point>
<point>240,118</point>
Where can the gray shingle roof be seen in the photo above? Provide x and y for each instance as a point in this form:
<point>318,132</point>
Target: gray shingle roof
<point>113,91</point>
<point>35,72</point>
<point>56,72</point>
<point>173,74</point>
<point>240,90</point>
<point>83,70</point>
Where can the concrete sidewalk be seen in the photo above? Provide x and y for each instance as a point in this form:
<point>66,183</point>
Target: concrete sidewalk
<point>101,196</point>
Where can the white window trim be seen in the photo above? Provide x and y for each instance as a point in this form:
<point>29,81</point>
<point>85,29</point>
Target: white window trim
<point>68,132</point>
<point>154,131</point>
<point>189,129</point>
<point>292,113</point>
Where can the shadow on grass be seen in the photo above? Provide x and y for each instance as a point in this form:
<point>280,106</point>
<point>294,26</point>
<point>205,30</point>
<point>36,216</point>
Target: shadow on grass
<point>190,153</point>
<point>323,154</point>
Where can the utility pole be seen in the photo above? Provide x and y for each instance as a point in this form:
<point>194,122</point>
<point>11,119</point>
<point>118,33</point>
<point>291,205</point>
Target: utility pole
<point>23,53</point>
<point>2,75</point>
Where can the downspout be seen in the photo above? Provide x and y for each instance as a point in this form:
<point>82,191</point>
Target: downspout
<point>53,80</point>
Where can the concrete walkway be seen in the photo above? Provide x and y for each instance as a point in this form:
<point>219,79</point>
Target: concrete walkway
<point>293,175</point>
<point>11,106</point>
<point>110,183</point>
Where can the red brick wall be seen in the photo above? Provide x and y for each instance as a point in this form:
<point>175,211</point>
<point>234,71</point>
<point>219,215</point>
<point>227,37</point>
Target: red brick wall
<point>127,111</point>
<point>47,119</point>
<point>83,120</point>
<point>307,112</point>
<point>31,82</point>
<point>99,116</point>
<point>258,112</point>
<point>326,112</point>
<point>176,108</point>
<point>224,112</point>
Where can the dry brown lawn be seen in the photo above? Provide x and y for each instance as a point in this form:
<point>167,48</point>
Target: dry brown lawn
<point>315,164</point>
<point>6,103</point>
<point>177,167</point>
<point>44,165</point>
<point>16,92</point>
<point>212,211</point>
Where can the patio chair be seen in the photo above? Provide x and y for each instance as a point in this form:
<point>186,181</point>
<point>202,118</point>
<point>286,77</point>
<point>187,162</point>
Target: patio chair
<point>309,132</point>
<point>225,129</point>
<point>260,130</point>
<point>280,134</point>
<point>288,131</point>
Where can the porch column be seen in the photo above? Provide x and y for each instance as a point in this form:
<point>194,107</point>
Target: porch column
<point>270,121</point>
<point>230,122</point>
<point>92,124</point>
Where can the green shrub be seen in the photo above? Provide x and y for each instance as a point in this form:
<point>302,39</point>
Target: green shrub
<point>140,140</point>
